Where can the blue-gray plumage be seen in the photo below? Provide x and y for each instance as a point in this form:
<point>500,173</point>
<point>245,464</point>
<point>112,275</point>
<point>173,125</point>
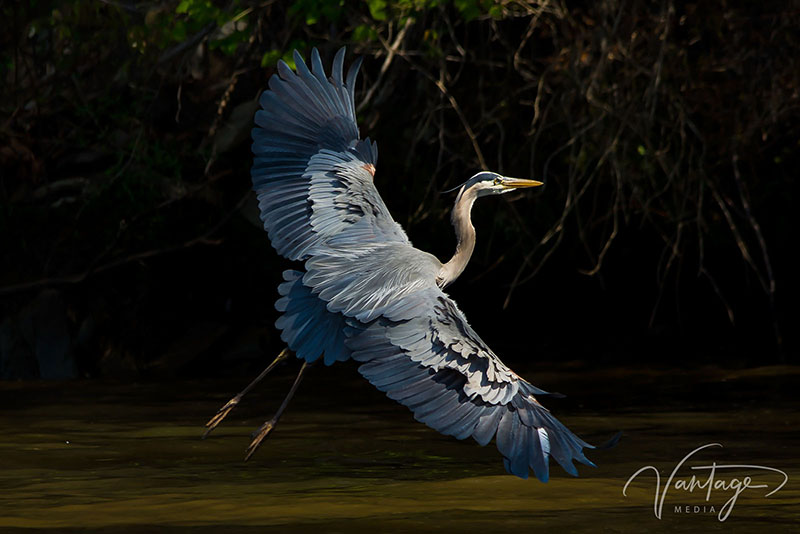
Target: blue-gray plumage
<point>367,293</point>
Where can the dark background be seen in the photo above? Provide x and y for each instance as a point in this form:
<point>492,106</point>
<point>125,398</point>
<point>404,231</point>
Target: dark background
<point>666,132</point>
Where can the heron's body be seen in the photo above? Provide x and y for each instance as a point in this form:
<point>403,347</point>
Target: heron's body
<point>366,293</point>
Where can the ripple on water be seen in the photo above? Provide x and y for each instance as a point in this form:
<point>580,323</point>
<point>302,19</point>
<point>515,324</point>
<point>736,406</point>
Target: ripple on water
<point>101,457</point>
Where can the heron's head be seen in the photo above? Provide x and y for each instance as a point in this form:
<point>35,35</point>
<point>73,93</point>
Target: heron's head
<point>490,183</point>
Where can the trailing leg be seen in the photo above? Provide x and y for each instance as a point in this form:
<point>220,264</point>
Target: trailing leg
<point>260,434</point>
<point>231,404</point>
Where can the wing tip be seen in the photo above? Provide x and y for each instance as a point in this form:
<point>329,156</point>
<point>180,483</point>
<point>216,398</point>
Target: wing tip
<point>298,57</point>
<point>560,444</point>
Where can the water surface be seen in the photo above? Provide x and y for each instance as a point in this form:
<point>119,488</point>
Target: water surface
<point>124,457</point>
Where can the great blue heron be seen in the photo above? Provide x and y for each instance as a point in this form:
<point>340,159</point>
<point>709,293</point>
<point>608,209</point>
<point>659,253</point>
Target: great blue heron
<point>367,293</point>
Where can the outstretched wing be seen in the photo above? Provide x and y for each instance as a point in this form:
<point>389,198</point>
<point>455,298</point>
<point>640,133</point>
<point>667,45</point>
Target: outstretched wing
<point>438,367</point>
<point>311,172</point>
<point>416,345</point>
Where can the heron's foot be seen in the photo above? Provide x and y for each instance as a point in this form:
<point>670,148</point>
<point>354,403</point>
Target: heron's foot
<point>222,413</point>
<point>259,436</point>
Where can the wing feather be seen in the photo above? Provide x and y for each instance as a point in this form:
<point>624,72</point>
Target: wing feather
<point>438,367</point>
<point>306,141</point>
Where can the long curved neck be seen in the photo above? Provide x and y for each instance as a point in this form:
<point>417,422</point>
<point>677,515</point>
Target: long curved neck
<point>465,236</point>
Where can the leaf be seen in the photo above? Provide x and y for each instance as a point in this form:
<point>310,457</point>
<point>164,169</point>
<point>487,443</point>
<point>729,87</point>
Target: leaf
<point>468,8</point>
<point>377,9</point>
<point>270,58</point>
<point>364,33</point>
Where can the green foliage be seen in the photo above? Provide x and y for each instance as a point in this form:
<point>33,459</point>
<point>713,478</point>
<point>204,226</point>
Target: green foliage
<point>469,9</point>
<point>313,11</point>
<point>364,32</point>
<point>164,27</point>
<point>377,8</point>
<point>271,57</point>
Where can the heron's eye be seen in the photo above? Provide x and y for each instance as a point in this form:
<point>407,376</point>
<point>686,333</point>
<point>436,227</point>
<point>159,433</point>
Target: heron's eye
<point>497,181</point>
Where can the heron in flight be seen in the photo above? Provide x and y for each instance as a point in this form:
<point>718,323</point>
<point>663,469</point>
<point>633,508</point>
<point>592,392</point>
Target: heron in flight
<point>366,293</point>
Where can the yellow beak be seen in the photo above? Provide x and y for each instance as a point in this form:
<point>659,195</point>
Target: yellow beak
<point>518,183</point>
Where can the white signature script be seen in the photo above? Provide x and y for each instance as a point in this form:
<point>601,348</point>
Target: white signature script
<point>736,485</point>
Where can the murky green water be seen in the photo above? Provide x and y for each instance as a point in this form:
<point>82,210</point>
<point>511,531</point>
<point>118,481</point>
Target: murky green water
<point>121,457</point>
